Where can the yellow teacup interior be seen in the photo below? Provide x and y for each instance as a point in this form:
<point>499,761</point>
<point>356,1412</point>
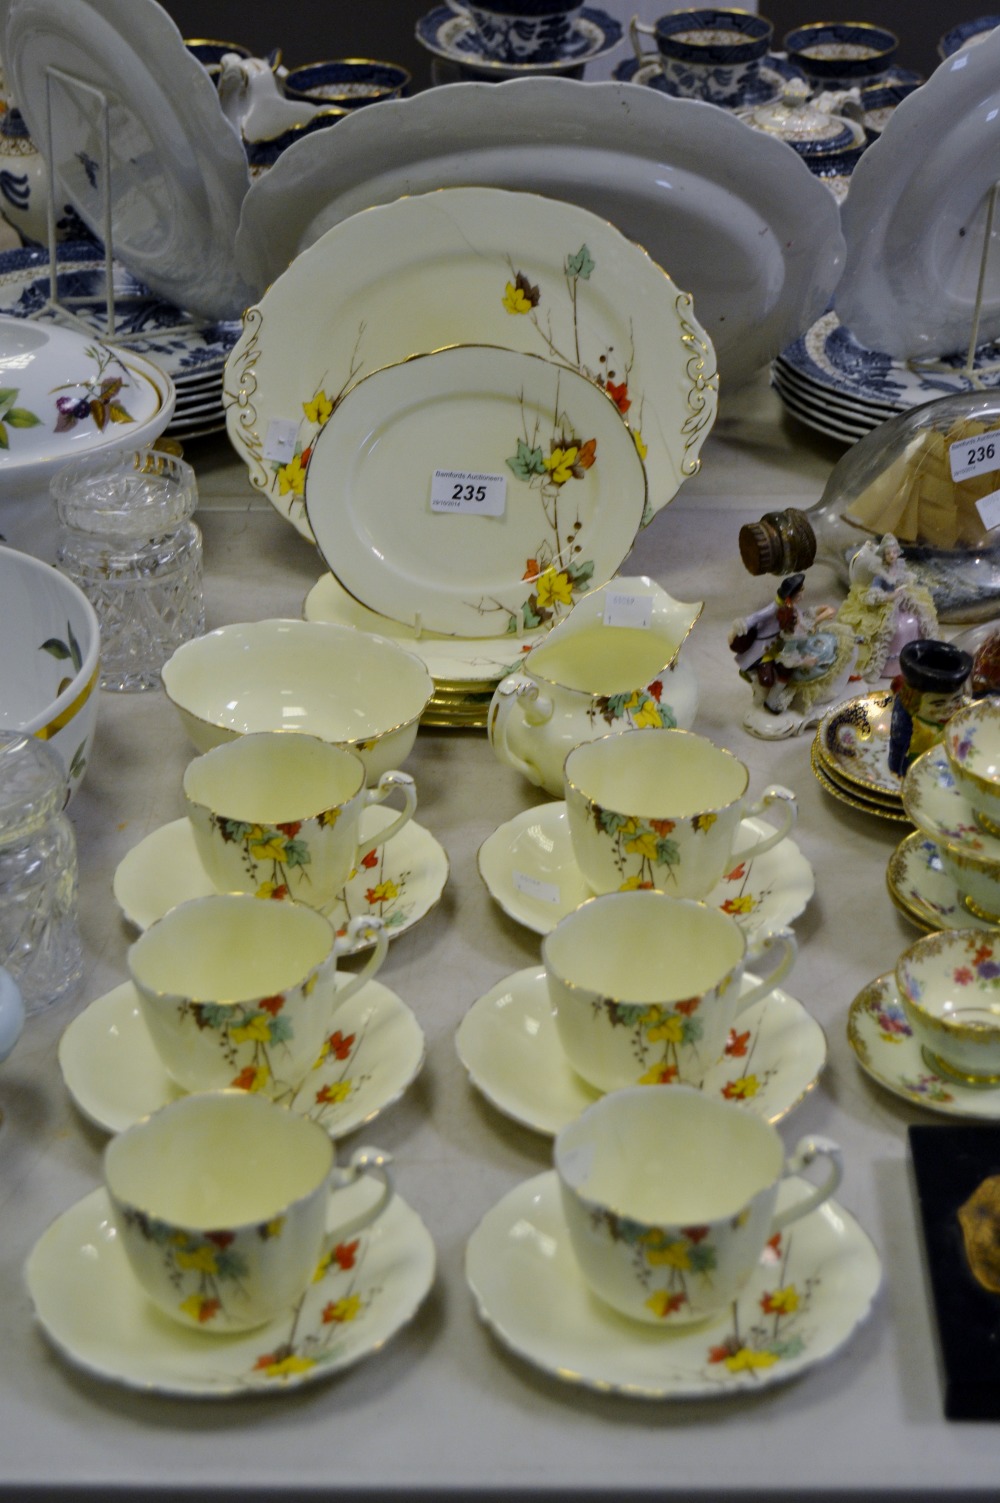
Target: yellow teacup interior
<point>230,949</point>
<point>657,774</point>
<point>602,659</point>
<point>274,777</point>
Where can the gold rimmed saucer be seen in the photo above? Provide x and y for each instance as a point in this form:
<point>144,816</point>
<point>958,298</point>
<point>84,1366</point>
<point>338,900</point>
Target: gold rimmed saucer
<point>849,795</point>
<point>852,741</point>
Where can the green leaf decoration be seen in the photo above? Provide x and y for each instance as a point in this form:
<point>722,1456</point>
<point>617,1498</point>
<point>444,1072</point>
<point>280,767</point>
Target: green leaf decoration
<point>56,649</point>
<point>281,1030</point>
<point>20,417</point>
<point>528,615</point>
<point>4,442</point>
<point>702,1257</point>
<point>667,853</point>
<point>8,395</point>
<point>580,265</point>
<point>580,572</point>
<point>616,705</point>
<point>230,1265</point>
<point>79,762</point>
<point>527,461</point>
<point>297,853</point>
<point>692,1030</point>
<point>74,648</point>
<point>667,717</point>
<point>612,822</point>
<point>214,1016</point>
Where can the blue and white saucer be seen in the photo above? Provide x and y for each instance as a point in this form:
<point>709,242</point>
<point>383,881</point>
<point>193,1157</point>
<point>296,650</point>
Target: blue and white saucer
<point>454,38</point>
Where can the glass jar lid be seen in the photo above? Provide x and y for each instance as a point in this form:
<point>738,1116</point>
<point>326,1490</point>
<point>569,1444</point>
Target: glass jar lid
<point>126,493</point>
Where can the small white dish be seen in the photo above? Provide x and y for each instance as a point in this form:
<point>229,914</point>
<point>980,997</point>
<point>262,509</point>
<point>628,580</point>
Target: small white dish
<point>509,1045</point>
<point>115,1076</point>
<point>885,1048</point>
<point>812,1288</point>
<point>530,870</point>
<point>399,882</point>
<point>570,489</point>
<point>97,1316</point>
<point>923,891</point>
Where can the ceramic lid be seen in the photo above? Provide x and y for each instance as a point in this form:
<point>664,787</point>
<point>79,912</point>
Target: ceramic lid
<point>63,393</point>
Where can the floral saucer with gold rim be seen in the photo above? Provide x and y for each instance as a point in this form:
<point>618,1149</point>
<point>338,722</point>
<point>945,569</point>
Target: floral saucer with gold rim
<point>852,741</point>
<point>813,1287</point>
<point>923,891</point>
<point>510,1047</point>
<point>530,871</point>
<point>374,1051</point>
<point>94,1312</point>
<point>400,882</point>
<point>885,1048</point>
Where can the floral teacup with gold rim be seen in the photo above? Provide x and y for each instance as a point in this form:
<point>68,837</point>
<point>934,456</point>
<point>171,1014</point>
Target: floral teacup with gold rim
<point>277,814</point>
<point>241,994</point>
<point>221,1203</point>
<point>612,665</point>
<point>644,987</point>
<point>972,745</point>
<point>669,1198</point>
<point>949,987</point>
<point>662,808</point>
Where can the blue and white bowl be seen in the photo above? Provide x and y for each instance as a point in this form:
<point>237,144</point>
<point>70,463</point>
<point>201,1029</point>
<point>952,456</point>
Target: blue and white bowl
<point>967,34</point>
<point>711,54</point>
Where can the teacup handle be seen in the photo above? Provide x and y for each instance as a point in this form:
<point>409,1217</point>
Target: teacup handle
<point>362,927</point>
<point>806,1150</point>
<point>376,1164</point>
<point>388,783</point>
<point>460,10</point>
<point>635,26</point>
<point>784,942</point>
<point>774,794</point>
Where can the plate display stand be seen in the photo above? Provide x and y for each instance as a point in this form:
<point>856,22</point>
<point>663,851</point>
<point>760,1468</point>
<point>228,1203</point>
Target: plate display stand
<point>62,307</point>
<point>969,369</point>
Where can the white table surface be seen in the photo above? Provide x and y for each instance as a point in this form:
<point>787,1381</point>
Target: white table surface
<point>444,1407</point>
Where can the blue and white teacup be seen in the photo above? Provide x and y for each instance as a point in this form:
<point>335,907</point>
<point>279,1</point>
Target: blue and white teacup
<point>521,31</point>
<point>841,54</point>
<point>712,54</point>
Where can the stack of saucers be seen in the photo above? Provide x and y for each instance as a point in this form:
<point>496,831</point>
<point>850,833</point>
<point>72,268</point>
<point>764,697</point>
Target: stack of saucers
<point>850,756</point>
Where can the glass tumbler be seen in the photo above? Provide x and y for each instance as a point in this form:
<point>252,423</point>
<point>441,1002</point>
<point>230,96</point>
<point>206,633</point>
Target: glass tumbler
<point>39,940</point>
<point>128,541</point>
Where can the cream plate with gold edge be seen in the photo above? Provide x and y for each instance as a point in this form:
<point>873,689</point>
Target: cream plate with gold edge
<point>456,664</point>
<point>852,740</point>
<point>510,1047</point>
<point>374,1051</point>
<point>569,499</point>
<point>350,687</point>
<point>92,1309</point>
<point>924,891</point>
<point>400,882</point>
<point>752,235</point>
<point>462,266</point>
<point>531,873</point>
<point>885,1048</point>
<point>814,1285</point>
